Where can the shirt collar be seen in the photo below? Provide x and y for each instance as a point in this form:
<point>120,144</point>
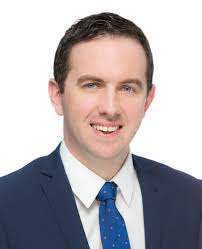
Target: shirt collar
<point>126,179</point>
<point>86,184</point>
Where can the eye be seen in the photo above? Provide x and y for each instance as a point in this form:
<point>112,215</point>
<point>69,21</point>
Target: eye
<point>127,88</point>
<point>91,85</point>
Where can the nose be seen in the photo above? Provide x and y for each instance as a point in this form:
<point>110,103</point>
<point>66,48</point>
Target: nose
<point>109,103</point>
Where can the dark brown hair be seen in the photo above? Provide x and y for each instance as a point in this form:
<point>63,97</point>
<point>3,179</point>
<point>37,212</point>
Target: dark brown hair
<point>93,26</point>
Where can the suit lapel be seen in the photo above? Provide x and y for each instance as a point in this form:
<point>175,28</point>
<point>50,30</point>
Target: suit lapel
<point>57,189</point>
<point>152,201</point>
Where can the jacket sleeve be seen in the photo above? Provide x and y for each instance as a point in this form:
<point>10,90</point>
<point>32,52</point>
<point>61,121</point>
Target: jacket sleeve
<point>200,236</point>
<point>200,231</point>
<point>3,238</point>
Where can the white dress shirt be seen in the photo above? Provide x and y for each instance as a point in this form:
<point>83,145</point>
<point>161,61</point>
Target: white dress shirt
<point>86,185</point>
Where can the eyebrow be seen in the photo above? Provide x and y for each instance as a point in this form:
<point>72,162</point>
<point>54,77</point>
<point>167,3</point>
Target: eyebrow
<point>134,81</point>
<point>88,77</point>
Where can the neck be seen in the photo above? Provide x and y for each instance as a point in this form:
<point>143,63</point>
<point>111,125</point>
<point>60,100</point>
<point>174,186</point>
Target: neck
<point>106,168</point>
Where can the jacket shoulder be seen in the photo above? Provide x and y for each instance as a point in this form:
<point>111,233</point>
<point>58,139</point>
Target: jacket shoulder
<point>28,175</point>
<point>167,176</point>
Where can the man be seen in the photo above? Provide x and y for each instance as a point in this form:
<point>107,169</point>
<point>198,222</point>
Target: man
<point>91,192</point>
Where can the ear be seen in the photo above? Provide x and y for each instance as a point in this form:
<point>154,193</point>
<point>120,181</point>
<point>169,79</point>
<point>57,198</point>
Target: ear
<point>55,96</point>
<point>150,98</point>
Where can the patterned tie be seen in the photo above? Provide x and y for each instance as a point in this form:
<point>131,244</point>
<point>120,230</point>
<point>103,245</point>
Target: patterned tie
<point>112,226</point>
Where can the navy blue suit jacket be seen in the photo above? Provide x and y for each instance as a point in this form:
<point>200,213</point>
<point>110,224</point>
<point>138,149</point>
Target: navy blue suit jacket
<point>38,210</point>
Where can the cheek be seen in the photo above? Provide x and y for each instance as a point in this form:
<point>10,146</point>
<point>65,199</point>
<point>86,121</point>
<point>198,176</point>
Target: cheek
<point>79,106</point>
<point>85,105</point>
<point>134,110</point>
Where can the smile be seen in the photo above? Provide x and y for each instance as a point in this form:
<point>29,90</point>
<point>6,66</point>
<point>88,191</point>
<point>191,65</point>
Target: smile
<point>106,129</point>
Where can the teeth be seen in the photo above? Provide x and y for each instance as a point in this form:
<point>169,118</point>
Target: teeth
<point>105,128</point>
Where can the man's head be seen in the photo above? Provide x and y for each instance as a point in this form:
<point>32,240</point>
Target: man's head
<point>94,26</point>
<point>102,87</point>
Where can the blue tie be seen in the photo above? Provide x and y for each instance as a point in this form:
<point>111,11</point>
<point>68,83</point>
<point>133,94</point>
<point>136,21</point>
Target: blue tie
<point>112,226</point>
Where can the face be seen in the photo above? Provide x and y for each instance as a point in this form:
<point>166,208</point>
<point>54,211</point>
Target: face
<point>105,97</point>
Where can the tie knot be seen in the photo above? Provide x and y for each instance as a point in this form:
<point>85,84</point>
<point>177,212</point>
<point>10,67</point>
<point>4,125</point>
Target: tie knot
<point>107,192</point>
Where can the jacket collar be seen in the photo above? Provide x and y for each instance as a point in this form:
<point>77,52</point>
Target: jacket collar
<point>152,201</point>
<point>58,191</point>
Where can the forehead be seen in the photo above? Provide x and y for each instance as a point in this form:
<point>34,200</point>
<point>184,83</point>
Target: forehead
<point>109,56</point>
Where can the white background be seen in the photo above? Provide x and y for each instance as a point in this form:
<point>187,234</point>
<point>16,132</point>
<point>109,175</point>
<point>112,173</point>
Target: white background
<point>29,34</point>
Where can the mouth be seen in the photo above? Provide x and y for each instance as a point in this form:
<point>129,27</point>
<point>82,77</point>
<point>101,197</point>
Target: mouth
<point>106,130</point>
